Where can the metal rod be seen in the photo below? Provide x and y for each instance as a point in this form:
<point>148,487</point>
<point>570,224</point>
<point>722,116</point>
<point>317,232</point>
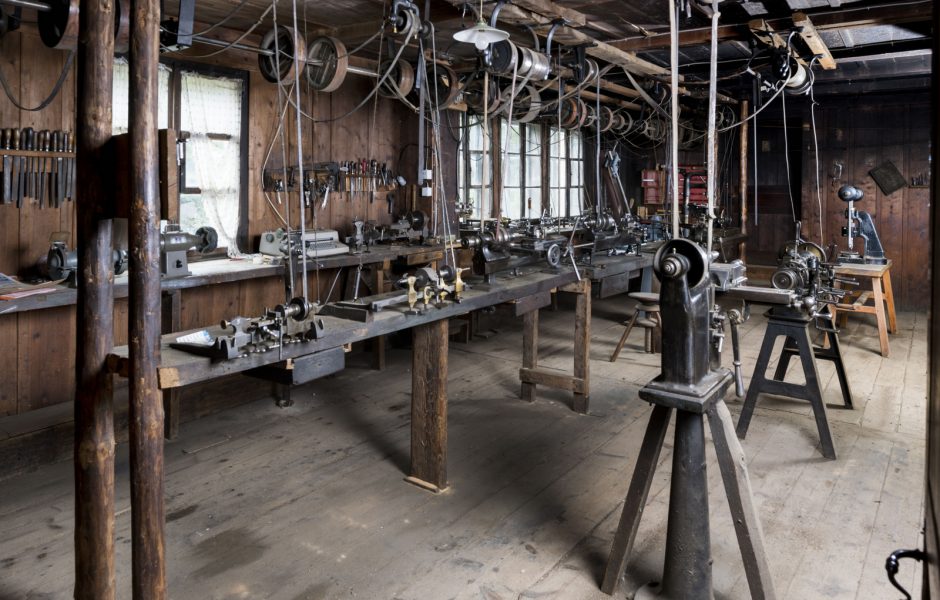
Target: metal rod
<point>712,131</point>
<point>300,164</point>
<point>743,168</point>
<point>145,423</point>
<point>40,6</point>
<point>674,114</point>
<point>94,411</point>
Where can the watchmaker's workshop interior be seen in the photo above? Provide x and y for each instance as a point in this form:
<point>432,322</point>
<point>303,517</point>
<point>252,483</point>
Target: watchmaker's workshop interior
<point>490,299</point>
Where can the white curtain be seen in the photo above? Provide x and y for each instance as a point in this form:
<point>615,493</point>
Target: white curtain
<point>210,110</point>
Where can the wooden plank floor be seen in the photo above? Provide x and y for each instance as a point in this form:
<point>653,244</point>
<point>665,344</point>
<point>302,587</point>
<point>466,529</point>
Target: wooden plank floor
<point>308,502</point>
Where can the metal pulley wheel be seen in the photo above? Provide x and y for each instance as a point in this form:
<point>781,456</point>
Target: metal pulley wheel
<point>541,66</point>
<point>653,129</point>
<point>58,26</point>
<point>416,219</point>
<point>281,69</point>
<point>624,124</point>
<point>590,71</point>
<point>503,58</point>
<point>400,81</point>
<point>529,103</point>
<point>327,63</point>
<point>553,255</point>
<point>402,23</point>
<point>801,248</point>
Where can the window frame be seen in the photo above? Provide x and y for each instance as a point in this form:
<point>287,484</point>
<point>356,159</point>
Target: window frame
<point>546,131</point>
<point>174,108</point>
<point>524,154</point>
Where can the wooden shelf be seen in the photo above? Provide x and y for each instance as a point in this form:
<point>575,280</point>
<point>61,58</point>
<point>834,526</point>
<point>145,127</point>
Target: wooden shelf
<point>36,153</point>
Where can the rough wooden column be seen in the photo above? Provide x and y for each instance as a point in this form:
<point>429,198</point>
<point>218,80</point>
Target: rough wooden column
<point>378,344</point>
<point>582,345</point>
<point>94,414</point>
<point>146,402</point>
<point>429,406</point>
<point>530,351</point>
<point>171,319</point>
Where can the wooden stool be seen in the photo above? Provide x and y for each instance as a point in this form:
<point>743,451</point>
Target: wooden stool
<point>651,322</point>
<point>878,301</point>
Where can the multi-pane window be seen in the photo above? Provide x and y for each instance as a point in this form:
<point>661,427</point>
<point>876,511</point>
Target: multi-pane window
<point>208,107</point>
<point>533,171</point>
<point>521,170</point>
<point>576,166</point>
<point>470,168</point>
<point>210,110</point>
<point>522,179</point>
<point>557,172</point>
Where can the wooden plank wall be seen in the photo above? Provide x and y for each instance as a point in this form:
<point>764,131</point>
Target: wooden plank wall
<point>39,346</point>
<point>861,133</point>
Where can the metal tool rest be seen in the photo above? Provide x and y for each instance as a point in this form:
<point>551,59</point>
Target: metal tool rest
<point>794,324</point>
<point>693,384</point>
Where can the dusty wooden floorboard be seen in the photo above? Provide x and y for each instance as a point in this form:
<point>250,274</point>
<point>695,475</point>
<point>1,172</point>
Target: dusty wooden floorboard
<point>309,502</point>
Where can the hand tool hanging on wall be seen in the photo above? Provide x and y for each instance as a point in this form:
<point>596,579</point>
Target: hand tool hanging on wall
<point>17,141</point>
<point>44,146</point>
<point>26,143</point>
<point>5,136</point>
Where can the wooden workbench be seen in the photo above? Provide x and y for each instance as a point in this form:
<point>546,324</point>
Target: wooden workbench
<point>429,373</point>
<point>612,274</point>
<point>212,272</point>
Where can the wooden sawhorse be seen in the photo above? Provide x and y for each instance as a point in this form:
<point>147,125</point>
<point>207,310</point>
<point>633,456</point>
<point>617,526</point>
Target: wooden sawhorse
<point>878,301</point>
<point>579,383</point>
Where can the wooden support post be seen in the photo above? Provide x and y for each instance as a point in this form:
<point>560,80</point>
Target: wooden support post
<point>743,166</point>
<point>146,403</point>
<point>170,315</point>
<point>378,343</point>
<point>94,411</point>
<point>429,406</point>
<point>582,345</point>
<point>530,350</point>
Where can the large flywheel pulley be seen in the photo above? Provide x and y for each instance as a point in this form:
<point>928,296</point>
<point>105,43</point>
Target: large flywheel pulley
<point>327,64</point>
<point>280,50</point>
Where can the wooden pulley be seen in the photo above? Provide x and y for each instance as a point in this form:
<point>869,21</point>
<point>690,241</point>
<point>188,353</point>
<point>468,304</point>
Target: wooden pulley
<point>473,96</point>
<point>327,63</point>
<point>529,103</point>
<point>448,87</point>
<point>582,114</point>
<point>290,47</point>
<point>58,26</point>
<point>503,58</point>
<point>605,120</point>
<point>122,26</point>
<point>400,81</point>
<point>569,113</point>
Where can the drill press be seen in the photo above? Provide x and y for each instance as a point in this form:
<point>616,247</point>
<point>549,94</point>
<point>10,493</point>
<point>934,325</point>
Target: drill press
<point>859,223</point>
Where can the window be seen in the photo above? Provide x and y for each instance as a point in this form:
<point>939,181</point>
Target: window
<point>205,102</point>
<point>522,179</point>
<point>522,170</point>
<point>470,168</point>
<point>558,172</point>
<point>566,169</point>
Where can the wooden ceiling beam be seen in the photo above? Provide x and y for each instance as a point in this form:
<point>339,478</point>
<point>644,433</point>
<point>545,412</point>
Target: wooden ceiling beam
<point>847,19</point>
<point>516,15</point>
<point>815,43</point>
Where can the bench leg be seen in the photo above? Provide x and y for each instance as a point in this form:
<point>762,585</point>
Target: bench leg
<point>889,300</point>
<point>530,350</point>
<point>880,317</point>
